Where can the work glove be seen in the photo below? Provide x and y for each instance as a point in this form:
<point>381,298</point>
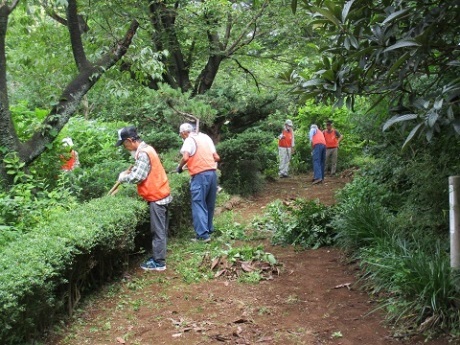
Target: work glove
<point>179,169</point>
<point>122,176</point>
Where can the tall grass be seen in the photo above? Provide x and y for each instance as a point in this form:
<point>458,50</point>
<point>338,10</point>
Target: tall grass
<point>411,275</point>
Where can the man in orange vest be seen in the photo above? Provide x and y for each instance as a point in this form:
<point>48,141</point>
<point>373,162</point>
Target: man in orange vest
<point>153,186</point>
<point>285,148</point>
<point>199,153</point>
<point>70,159</point>
<point>318,146</point>
<point>333,139</point>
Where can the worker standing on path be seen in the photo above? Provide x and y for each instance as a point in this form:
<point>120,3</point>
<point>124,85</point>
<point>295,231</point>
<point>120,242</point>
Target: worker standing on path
<point>285,148</point>
<point>200,155</point>
<point>153,186</point>
<point>318,146</point>
<point>333,139</point>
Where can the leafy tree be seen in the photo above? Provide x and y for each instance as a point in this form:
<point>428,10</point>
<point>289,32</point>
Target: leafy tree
<point>88,72</point>
<point>406,52</point>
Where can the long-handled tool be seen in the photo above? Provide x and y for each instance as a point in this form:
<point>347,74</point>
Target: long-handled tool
<point>117,184</point>
<point>114,189</point>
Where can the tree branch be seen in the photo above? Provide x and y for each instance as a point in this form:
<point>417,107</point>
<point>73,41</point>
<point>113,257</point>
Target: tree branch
<point>247,72</point>
<point>72,96</point>
<point>73,26</point>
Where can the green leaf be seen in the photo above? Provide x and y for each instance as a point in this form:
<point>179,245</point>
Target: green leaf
<point>395,15</point>
<point>294,6</point>
<point>432,118</point>
<point>412,133</point>
<point>312,82</point>
<point>327,14</point>
<point>398,64</point>
<point>402,44</point>
<point>346,10</point>
<point>399,118</point>
<point>456,124</point>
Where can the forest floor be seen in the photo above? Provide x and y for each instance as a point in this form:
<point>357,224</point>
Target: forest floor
<point>315,299</point>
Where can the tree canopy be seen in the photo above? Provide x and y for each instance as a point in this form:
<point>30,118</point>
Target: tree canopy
<point>405,52</point>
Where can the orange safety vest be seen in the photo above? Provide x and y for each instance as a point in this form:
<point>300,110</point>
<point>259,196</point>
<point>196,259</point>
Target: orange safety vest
<point>156,186</point>
<point>69,164</point>
<point>331,139</point>
<point>203,159</point>
<point>287,140</point>
<point>318,138</point>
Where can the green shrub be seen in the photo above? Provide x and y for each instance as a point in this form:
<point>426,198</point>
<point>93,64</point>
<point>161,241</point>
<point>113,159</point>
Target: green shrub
<point>304,223</point>
<point>244,160</point>
<point>362,225</point>
<point>93,182</point>
<point>418,278</point>
<point>44,273</point>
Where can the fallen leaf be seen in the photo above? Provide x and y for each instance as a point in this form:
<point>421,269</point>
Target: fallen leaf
<point>121,340</point>
<point>219,273</point>
<point>247,267</point>
<point>264,339</point>
<point>220,337</point>
<point>347,285</point>
<point>215,262</point>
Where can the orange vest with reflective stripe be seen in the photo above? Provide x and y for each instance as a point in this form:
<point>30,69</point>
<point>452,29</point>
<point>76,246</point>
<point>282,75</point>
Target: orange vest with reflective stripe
<point>287,140</point>
<point>203,158</point>
<point>331,139</point>
<point>156,186</point>
<point>318,138</point>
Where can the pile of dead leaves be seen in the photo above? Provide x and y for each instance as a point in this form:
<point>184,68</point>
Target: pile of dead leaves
<point>233,269</point>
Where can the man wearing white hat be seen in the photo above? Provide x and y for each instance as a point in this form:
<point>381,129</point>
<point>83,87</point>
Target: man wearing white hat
<point>286,148</point>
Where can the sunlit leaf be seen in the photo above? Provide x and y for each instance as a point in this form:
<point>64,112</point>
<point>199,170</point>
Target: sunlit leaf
<point>399,118</point>
<point>327,14</point>
<point>412,133</point>
<point>432,118</point>
<point>402,44</point>
<point>346,10</point>
<point>395,15</point>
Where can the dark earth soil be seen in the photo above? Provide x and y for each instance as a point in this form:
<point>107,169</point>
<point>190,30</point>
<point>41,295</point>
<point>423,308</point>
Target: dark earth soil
<point>314,300</point>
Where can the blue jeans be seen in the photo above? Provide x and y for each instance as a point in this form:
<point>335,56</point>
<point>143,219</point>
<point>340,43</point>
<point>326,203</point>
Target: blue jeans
<point>319,161</point>
<point>203,188</point>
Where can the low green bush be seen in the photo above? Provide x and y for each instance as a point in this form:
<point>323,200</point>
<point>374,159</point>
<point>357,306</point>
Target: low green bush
<point>43,273</point>
<point>304,223</point>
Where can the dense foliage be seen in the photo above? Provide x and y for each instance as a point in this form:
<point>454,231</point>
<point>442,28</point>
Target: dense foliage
<point>305,224</point>
<point>401,52</point>
<point>247,160</point>
<point>391,62</point>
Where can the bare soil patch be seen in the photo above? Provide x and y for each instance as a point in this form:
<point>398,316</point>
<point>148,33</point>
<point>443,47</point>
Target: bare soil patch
<point>315,300</point>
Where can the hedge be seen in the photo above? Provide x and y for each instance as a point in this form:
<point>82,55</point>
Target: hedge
<point>43,273</point>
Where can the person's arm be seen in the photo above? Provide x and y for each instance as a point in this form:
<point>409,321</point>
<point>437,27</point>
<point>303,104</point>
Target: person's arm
<point>138,172</point>
<point>183,161</point>
<point>187,150</point>
<point>311,134</point>
<point>339,137</point>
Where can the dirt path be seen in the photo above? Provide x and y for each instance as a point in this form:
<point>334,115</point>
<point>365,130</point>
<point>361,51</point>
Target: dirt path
<point>313,301</point>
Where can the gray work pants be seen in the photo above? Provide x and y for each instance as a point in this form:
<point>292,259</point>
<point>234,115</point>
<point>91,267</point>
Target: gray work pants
<point>331,159</point>
<point>159,223</point>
